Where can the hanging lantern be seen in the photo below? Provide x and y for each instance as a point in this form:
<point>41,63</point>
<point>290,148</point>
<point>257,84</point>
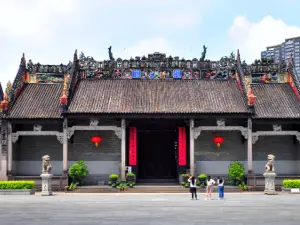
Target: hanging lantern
<point>251,99</point>
<point>218,140</point>
<point>96,140</point>
<point>64,99</point>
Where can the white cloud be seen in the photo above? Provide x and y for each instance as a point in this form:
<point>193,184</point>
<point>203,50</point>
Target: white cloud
<point>32,19</point>
<point>253,37</point>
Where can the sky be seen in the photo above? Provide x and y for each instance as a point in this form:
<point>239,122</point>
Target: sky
<point>49,31</point>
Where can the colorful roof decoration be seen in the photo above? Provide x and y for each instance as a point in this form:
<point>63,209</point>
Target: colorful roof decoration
<point>169,81</point>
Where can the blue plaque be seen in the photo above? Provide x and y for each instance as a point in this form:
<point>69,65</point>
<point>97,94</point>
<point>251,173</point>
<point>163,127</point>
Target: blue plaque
<point>177,74</point>
<point>152,75</point>
<point>136,74</point>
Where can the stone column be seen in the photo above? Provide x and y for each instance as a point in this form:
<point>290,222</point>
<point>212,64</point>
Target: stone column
<point>3,151</point>
<point>9,149</point>
<point>123,149</point>
<point>192,148</point>
<point>65,146</point>
<point>3,160</point>
<point>249,147</point>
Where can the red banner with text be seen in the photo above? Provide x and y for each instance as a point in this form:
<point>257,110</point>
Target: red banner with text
<point>132,146</point>
<point>181,146</point>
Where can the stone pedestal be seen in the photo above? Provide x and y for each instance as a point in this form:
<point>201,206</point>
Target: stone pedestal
<point>46,184</point>
<point>270,183</point>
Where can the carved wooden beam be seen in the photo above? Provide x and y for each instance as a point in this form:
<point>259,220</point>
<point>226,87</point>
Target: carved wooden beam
<point>15,136</point>
<point>116,129</point>
<point>256,134</point>
<point>198,130</point>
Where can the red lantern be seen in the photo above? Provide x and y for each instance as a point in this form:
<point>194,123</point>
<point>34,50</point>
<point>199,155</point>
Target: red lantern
<point>251,99</point>
<point>96,140</point>
<point>64,99</point>
<point>218,140</point>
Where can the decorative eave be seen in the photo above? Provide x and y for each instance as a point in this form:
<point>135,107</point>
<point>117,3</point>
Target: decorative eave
<point>13,90</point>
<point>293,79</point>
<point>70,82</point>
<point>243,85</point>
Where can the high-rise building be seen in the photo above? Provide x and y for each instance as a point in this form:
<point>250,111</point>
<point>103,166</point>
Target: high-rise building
<point>290,47</point>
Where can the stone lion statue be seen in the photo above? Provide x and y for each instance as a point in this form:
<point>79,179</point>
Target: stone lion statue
<point>46,164</point>
<point>270,164</point>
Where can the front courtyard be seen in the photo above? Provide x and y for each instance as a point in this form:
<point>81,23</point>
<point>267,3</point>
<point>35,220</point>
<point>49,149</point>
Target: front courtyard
<point>125,209</point>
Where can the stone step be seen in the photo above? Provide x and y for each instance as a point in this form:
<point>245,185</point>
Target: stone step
<point>147,189</point>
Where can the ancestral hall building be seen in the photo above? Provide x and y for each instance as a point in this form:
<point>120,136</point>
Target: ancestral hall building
<point>157,114</point>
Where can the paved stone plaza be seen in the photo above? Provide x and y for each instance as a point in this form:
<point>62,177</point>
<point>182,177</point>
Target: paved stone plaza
<point>160,209</point>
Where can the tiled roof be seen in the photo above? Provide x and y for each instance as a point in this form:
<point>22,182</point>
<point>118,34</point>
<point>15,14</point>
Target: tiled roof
<point>157,96</point>
<point>275,101</point>
<point>38,101</point>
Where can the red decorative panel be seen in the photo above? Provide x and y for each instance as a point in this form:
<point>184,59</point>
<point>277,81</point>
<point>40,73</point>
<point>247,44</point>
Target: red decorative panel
<point>181,146</point>
<point>132,146</point>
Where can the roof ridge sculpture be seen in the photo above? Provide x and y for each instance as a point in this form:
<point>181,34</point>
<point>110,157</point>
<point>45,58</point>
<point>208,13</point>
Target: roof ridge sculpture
<point>70,84</point>
<point>243,85</point>
<point>293,81</point>
<point>13,90</point>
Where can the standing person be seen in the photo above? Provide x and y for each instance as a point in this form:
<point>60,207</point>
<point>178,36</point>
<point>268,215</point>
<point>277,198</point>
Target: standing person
<point>210,183</point>
<point>221,188</point>
<point>193,187</point>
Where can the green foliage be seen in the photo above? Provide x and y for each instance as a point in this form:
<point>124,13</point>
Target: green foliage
<point>113,185</point>
<point>113,176</point>
<point>122,186</point>
<point>78,171</point>
<point>198,183</point>
<point>184,175</point>
<point>110,183</point>
<point>202,176</point>
<point>130,175</point>
<point>17,184</point>
<point>73,186</point>
<point>236,171</point>
<point>182,183</point>
<point>131,185</point>
<point>291,183</point>
<point>186,185</point>
<point>242,186</point>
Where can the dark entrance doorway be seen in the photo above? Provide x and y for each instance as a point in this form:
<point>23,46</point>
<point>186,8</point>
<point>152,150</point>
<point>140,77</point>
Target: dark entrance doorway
<point>157,155</point>
<point>156,151</point>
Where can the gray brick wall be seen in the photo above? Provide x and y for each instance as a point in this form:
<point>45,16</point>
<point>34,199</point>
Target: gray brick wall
<point>100,161</point>
<point>283,147</point>
<point>212,160</point>
<point>28,152</point>
<point>233,148</point>
<point>32,148</point>
<point>83,149</point>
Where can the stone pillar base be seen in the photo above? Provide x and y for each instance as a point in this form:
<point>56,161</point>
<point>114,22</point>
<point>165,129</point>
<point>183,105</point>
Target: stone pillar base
<point>270,183</point>
<point>3,171</point>
<point>46,184</point>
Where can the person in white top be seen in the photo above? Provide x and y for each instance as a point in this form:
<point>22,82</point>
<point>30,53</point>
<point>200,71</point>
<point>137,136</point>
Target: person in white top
<point>210,183</point>
<point>193,187</point>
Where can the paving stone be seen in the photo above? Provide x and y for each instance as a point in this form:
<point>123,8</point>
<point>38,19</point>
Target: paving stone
<point>160,209</point>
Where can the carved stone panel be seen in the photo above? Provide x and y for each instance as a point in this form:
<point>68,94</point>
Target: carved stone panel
<point>277,127</point>
<point>37,127</point>
<point>94,123</point>
<point>221,123</point>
